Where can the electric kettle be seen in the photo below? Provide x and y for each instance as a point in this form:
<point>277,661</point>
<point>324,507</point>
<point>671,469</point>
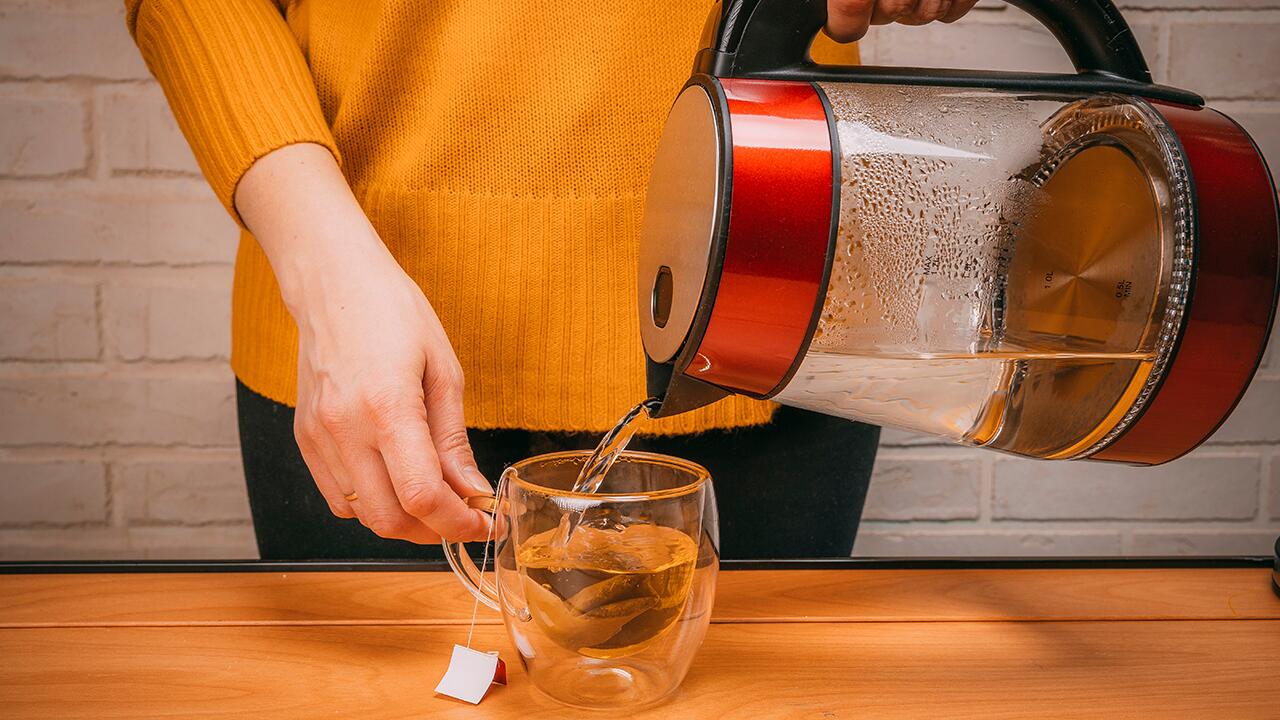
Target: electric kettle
<point>1055,266</point>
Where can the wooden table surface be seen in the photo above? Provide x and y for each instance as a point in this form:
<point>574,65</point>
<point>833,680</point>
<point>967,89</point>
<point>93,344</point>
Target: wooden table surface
<point>825,644</point>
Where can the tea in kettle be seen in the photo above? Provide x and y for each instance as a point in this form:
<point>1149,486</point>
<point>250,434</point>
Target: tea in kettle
<point>1057,266</point>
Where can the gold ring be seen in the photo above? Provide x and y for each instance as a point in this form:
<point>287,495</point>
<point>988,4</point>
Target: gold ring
<point>484,503</point>
<point>351,496</point>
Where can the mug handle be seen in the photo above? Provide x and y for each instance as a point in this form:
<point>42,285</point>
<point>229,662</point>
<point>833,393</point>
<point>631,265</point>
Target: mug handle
<point>462,565</point>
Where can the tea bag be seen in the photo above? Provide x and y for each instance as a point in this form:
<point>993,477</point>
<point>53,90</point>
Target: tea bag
<point>609,592</point>
<point>569,626</point>
<point>470,673</point>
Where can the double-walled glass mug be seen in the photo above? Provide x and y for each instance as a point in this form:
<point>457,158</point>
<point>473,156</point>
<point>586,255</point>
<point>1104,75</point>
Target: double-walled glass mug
<point>606,596</point>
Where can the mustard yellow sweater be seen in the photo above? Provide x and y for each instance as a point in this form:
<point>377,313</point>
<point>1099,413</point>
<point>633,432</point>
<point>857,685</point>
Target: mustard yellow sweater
<point>499,147</point>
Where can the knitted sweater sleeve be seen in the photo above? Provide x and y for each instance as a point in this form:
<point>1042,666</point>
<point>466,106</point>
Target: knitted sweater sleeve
<point>235,78</point>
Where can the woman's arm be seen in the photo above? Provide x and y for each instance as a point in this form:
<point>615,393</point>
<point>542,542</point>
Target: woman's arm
<point>380,392</point>
<point>235,79</point>
<point>379,388</point>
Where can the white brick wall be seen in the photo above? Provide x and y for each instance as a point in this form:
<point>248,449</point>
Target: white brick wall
<point>48,318</point>
<point>45,133</point>
<point>117,435</point>
<point>139,134</point>
<point>117,428</point>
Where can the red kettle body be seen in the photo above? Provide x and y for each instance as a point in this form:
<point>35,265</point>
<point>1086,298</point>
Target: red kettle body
<point>1056,266</point>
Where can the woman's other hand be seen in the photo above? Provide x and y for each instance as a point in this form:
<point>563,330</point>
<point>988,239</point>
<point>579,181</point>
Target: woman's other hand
<point>848,20</point>
<point>379,414</point>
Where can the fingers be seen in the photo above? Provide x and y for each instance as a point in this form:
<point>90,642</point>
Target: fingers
<point>338,442</point>
<point>422,492</point>
<point>321,459</point>
<point>926,11</point>
<point>443,391</point>
<point>323,473</point>
<point>448,427</point>
<point>378,505</point>
<point>957,10</point>
<point>379,444</point>
<point>405,442</point>
<point>848,20</point>
<point>887,11</point>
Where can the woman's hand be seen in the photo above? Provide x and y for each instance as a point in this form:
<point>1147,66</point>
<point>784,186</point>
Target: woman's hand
<point>379,417</point>
<point>848,20</point>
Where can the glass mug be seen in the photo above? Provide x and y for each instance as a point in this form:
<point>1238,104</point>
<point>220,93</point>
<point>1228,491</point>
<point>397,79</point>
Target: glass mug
<point>606,596</point>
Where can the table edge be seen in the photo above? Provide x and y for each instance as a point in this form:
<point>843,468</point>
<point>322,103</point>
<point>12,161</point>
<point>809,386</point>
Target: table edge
<point>879,563</point>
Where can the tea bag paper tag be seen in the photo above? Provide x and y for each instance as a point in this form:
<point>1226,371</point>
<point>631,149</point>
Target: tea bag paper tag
<point>470,673</point>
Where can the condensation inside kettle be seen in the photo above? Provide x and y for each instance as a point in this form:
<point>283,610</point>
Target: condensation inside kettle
<point>1007,267</point>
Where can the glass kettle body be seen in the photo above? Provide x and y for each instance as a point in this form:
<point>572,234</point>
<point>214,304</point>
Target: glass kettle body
<point>1057,266</point>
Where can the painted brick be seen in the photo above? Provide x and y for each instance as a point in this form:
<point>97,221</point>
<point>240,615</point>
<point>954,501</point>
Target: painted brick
<point>215,542</point>
<point>877,542</point>
<point>52,492</point>
<point>92,543</point>
<point>48,320</point>
<point>1200,486</point>
<point>1014,42</point>
<point>109,543</point>
<point>1269,357</point>
<point>84,40</point>
<point>173,320</point>
<point>974,45</point>
<point>893,437</point>
<point>139,132</point>
<point>42,136</point>
<point>1257,417</point>
<point>183,492</point>
<point>124,408</point>
<point>1263,124</point>
<point>923,488</point>
<point>133,228</point>
<point>1204,542</point>
<point>1148,37</point>
<point>1226,59</point>
<point>1274,490</point>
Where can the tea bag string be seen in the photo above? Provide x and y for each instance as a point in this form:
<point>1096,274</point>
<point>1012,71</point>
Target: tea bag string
<point>484,561</point>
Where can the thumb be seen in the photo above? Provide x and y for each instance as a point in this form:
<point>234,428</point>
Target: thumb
<point>448,427</point>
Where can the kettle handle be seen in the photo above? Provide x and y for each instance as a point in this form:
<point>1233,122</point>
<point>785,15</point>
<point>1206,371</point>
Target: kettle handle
<point>758,37</point>
<point>1095,36</point>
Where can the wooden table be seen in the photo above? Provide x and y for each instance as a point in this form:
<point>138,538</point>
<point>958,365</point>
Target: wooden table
<point>918,641</point>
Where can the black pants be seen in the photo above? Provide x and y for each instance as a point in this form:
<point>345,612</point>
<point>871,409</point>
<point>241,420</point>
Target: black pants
<point>791,489</point>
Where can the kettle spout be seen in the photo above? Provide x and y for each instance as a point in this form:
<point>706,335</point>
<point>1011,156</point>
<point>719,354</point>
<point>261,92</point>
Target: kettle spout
<point>675,392</point>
